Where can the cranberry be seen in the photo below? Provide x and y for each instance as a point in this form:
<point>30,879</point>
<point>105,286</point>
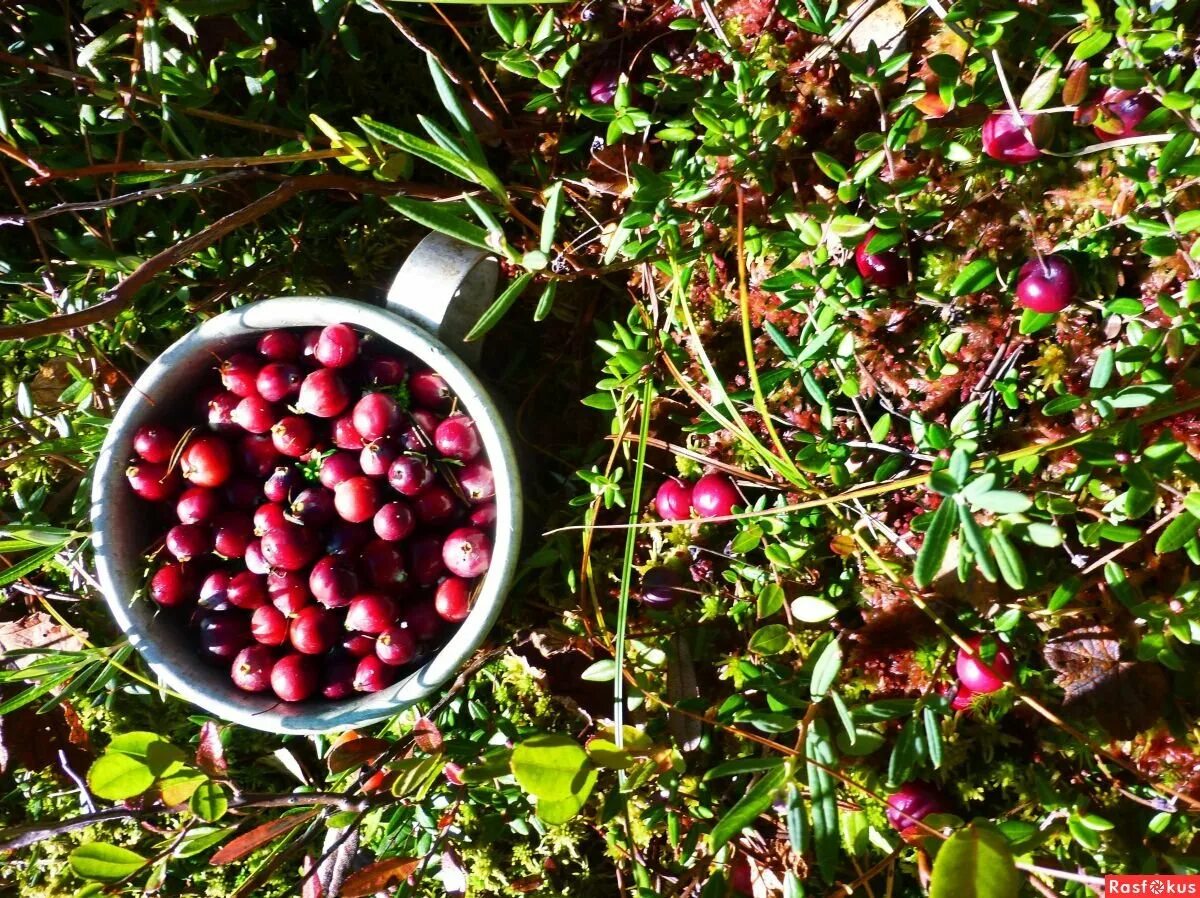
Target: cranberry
<point>333,582</point>
<point>372,674</point>
<point>314,506</point>
<point>214,591</point>
<point>308,342</point>
<point>356,499</point>
<point>419,436</point>
<point>884,269</point>
<point>384,564</point>
<point>912,802</point>
<point>206,461</point>
<point>345,436</point>
<point>289,547</point>
<point>477,481</point>
<point>269,625</point>
<point>396,646</point>
<point>254,414</point>
<point>673,501</point>
<point>1126,109</point>
<point>375,416</point>
<point>254,559</point>
<point>247,590</point>
<point>359,645</point>
<point>425,563</point>
<point>347,539</point>
<point>453,599</point>
<point>422,620</point>
<point>384,371</point>
<point>155,443</point>
<point>741,877</point>
<point>242,493</point>
<point>435,505</point>
<point>983,677</point>
<point>337,346</point>
<point>259,456</point>
<point>604,86</point>
<point>295,677</point>
<point>484,515</point>
<point>1004,138</point>
<point>239,374</point>
<point>252,668</point>
<point>394,521</point>
<point>196,504</point>
<point>662,587</point>
<point>429,389</point>
<point>220,411</point>
<point>453,774</point>
<point>269,516</point>
<point>409,474</point>
<point>282,482</point>
<point>186,541</point>
<point>376,459</point>
<point>288,591</point>
<point>152,480</point>
<point>323,394</point>
<point>293,436</point>
<point>337,681</point>
<point>314,630</point>
<point>467,552</point>
<point>339,467</point>
<point>172,585</point>
<point>277,381</point>
<point>370,612</point>
<point>223,634</point>
<point>714,495</point>
<point>1047,285</point>
<point>232,534</point>
<point>280,346</point>
<point>963,698</point>
<point>456,437</point>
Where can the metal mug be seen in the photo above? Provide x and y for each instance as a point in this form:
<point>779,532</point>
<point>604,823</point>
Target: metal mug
<point>439,292</point>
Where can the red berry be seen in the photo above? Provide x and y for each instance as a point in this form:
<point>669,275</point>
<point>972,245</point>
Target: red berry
<point>323,394</point>
<point>359,645</point>
<point>282,483</point>
<point>912,802</point>
<point>247,590</point>
<point>280,346</point>
<point>314,630</point>
<point>714,495</point>
<point>258,455</point>
<point>223,634</point>
<point>384,371</point>
<point>372,674</point>
<point>295,677</point>
<point>252,668</point>
<point>409,474</point>
<point>277,381</point>
<point>422,620</point>
<point>429,389</point>
<point>242,493</point>
<point>155,443</point>
<point>883,269</point>
<point>453,599</point>
<point>220,411</point>
<point>484,515</point>
<point>214,591</point>
<point>1004,136</point>
<point>981,676</point>
<point>419,436</point>
<point>293,436</point>
<point>206,461</point>
<point>604,86</point>
<point>375,416</point>
<point>186,541</point>
<point>337,346</point>
<point>345,436</point>
<point>394,521</point>
<point>269,625</point>
<point>232,534</point>
<point>396,646</point>
<point>239,374</point>
<point>172,585</point>
<point>425,564</point>
<point>337,681</point>
<point>662,587</point>
<point>370,612</point>
<point>356,499</point>
<point>673,501</point>
<point>254,559</point>
<point>435,505</point>
<point>339,467</point>
<point>456,437</point>
<point>376,458</point>
<point>196,504</point>
<point>384,564</point>
<point>254,414</point>
<point>308,342</point>
<point>152,481</point>
<point>333,582</point>
<point>963,698</point>
<point>269,516</point>
<point>476,480</point>
<point>289,547</point>
<point>1047,285</point>
<point>345,539</point>
<point>313,507</point>
<point>1126,109</point>
<point>467,552</point>
<point>288,591</point>
<point>741,877</point>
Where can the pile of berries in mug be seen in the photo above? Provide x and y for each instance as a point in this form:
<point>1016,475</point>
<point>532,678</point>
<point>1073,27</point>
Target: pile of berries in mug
<point>325,513</point>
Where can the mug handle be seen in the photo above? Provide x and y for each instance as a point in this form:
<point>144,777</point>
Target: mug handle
<point>443,287</point>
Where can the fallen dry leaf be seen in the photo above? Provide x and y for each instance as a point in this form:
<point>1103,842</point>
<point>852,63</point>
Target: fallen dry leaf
<point>35,631</point>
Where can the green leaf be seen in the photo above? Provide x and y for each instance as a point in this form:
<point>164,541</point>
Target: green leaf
<point>463,168</point>
<point>546,301</point>
<point>550,216</point>
<point>1002,501</point>
<point>496,310</point>
<point>550,766</point>
<point>819,748</point>
<point>1041,89</point>
<point>1008,559</point>
<point>812,609</point>
<point>975,862</point>
<point>561,810</point>
<point>977,275</point>
<point>116,776</point>
<point>1103,371</point>
<point>738,766</point>
<point>826,669</point>
<point>770,640</point>
<point>443,219</point>
<point>933,737</point>
<point>601,671</point>
<point>1188,221</point>
<point>458,113</point>
<point>757,799</point>
<point>103,862</point>
<point>907,751</point>
<point>1177,534</point>
<point>937,541</point>
<point>974,537</point>
<point>209,802</point>
<point>833,169</point>
<point>770,600</point>
<point>152,749</point>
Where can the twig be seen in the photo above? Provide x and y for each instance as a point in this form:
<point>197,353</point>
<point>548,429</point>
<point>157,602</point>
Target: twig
<point>12,152</point>
<point>108,168</point>
<point>84,795</point>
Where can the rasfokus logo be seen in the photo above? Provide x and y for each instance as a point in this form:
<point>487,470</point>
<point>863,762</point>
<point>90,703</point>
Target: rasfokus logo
<point>1151,884</point>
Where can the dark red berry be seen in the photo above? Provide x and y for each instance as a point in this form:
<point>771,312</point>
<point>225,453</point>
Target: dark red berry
<point>196,504</point>
<point>913,802</point>
<point>232,534</point>
<point>419,436</point>
<point>333,582</point>
<point>410,474</point>
<point>359,645</point>
<point>252,668</point>
<point>456,437</point>
<point>314,630</point>
<point>206,461</point>
<point>282,483</point>
<point>313,507</point>
<point>662,587</point>
<point>242,493</point>
<point>453,599</point>
<point>425,564</point>
<point>429,389</point>
<point>394,521</point>
<point>337,680</point>
<point>467,552</point>
<point>435,505</point>
<point>239,374</point>
<point>254,558</point>
<point>289,547</point>
<point>295,677</point>
<point>214,591</point>
<point>604,86</point>
<point>884,269</point>
<point>220,412</point>
<point>254,414</point>
<point>155,443</point>
<point>1046,285</point>
<point>1125,110</point>
<point>372,674</point>
<point>346,539</point>
<point>376,458</point>
<point>384,564</point>
<point>337,346</point>
<point>152,481</point>
<point>422,620</point>
<point>1004,136</point>
<point>186,541</point>
<point>280,346</point>
<point>279,380</point>
<point>370,612</point>
<point>308,342</point>
<point>223,634</point>
<point>288,591</point>
<point>396,646</point>
<point>384,371</point>
<point>258,455</point>
<point>323,394</point>
<point>356,499</point>
<point>345,436</point>
<point>339,467</point>
<point>673,501</point>
<point>714,495</point>
<point>247,591</point>
<point>376,416</point>
<point>269,516</point>
<point>293,436</point>
<point>172,585</point>
<point>269,625</point>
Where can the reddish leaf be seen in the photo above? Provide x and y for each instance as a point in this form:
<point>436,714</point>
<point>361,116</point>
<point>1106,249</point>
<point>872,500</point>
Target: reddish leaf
<point>355,753</point>
<point>379,876</point>
<point>258,837</point>
<point>312,885</point>
<point>210,753</point>
<point>428,737</point>
<point>526,884</point>
<point>1075,88</point>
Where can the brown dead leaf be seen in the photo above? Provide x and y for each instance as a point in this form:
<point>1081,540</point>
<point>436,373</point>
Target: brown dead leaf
<point>35,631</point>
<point>427,736</point>
<point>210,753</point>
<point>379,876</point>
